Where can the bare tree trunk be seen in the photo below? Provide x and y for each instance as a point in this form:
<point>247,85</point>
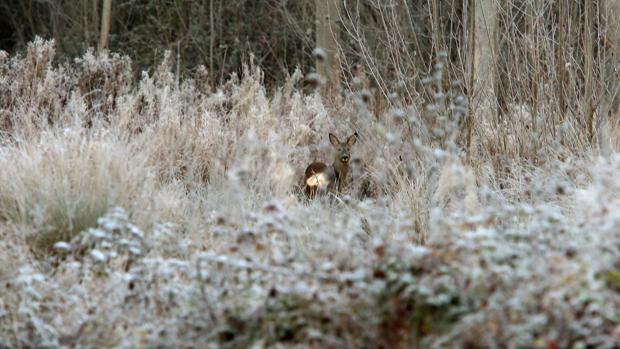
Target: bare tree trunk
<point>534,33</point>
<point>483,72</point>
<point>436,28</point>
<point>55,13</point>
<point>211,38</point>
<point>612,45</point>
<point>469,38</point>
<point>480,35</point>
<point>105,24</point>
<point>588,67</point>
<point>95,17</point>
<point>561,61</point>
<point>327,40</point>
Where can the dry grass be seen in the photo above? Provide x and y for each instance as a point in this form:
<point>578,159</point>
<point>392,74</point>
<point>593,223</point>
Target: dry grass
<point>214,246</point>
<point>63,182</point>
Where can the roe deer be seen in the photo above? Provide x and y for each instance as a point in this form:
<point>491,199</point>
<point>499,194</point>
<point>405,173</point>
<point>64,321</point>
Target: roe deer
<point>322,177</point>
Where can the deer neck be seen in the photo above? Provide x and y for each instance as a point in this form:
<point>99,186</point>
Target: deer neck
<point>341,170</point>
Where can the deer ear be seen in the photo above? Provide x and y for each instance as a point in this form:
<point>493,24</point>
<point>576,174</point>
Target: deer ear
<point>352,139</point>
<point>333,140</point>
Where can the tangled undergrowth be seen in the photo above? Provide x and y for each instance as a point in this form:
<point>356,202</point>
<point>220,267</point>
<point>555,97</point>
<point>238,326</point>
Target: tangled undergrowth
<point>168,215</point>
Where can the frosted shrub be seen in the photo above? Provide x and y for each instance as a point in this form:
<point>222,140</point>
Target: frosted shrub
<point>433,246</point>
<point>113,240</point>
<point>63,183</point>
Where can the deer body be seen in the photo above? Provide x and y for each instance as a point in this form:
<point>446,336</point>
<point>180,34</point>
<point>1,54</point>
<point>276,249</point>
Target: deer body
<point>320,177</point>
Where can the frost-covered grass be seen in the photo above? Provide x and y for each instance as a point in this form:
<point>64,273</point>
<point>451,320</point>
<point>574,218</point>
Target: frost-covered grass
<point>164,214</point>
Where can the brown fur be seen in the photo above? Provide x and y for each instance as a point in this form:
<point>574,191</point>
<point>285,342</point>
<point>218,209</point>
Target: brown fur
<point>334,177</point>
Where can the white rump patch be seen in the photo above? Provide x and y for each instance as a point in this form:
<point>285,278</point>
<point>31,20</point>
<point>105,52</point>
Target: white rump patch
<point>319,180</point>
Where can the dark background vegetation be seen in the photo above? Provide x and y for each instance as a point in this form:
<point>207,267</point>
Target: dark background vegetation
<point>144,29</point>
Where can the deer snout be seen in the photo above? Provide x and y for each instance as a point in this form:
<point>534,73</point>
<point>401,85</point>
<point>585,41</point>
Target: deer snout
<point>344,158</point>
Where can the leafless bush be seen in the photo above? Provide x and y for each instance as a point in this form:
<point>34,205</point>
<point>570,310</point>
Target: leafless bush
<point>432,246</point>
